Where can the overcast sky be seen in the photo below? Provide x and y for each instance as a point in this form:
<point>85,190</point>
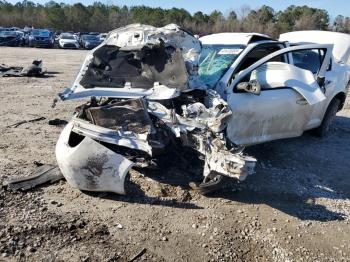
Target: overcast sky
<point>334,7</point>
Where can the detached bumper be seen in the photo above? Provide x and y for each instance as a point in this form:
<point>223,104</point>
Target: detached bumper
<point>88,165</point>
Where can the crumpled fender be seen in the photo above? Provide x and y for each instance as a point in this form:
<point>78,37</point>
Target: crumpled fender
<point>91,166</point>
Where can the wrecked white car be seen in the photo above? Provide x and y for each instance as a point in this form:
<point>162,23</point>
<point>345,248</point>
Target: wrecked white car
<point>153,88</point>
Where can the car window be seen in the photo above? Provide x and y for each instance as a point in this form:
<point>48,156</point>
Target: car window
<point>310,59</point>
<point>215,60</point>
<point>258,53</point>
<point>67,36</point>
<point>41,33</point>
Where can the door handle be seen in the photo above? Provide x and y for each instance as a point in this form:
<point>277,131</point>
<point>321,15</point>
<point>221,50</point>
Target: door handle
<point>301,101</point>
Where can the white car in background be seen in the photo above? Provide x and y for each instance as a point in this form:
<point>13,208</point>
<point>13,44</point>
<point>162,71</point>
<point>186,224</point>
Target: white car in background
<point>154,90</point>
<point>67,40</point>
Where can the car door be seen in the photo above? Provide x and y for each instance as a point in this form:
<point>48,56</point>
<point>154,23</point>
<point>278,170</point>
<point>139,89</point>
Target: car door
<point>288,96</point>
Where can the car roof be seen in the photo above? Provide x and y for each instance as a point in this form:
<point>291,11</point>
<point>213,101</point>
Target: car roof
<point>233,38</point>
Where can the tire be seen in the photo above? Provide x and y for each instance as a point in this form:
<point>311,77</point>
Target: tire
<point>212,183</point>
<point>324,129</point>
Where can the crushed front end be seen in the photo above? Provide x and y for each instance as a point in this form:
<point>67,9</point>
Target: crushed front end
<point>145,98</point>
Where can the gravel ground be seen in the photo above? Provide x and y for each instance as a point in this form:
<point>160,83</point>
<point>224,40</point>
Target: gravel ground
<point>295,208</point>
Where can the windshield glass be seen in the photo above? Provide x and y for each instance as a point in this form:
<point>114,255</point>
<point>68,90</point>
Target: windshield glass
<point>215,60</point>
<point>67,36</point>
<point>40,33</point>
<point>90,37</point>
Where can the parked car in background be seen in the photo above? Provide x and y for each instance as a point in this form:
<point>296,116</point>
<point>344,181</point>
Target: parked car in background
<point>10,38</point>
<point>22,37</point>
<point>41,38</point>
<point>90,41</point>
<point>68,40</point>
<point>76,36</point>
<point>102,36</point>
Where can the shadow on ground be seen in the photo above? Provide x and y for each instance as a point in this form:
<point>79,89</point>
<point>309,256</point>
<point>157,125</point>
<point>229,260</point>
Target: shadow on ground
<point>291,175</point>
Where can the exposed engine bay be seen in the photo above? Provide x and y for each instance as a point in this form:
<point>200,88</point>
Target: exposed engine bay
<point>146,98</point>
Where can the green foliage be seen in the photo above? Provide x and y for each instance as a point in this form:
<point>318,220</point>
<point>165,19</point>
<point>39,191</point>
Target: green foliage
<point>103,18</point>
<point>302,17</point>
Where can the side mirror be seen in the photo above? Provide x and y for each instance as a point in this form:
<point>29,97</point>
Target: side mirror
<point>253,87</point>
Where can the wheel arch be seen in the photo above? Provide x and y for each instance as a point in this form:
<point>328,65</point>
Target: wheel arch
<point>341,96</point>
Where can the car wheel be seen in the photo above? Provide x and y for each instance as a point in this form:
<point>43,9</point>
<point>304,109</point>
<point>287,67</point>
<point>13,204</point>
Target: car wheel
<point>324,129</point>
<point>212,183</point>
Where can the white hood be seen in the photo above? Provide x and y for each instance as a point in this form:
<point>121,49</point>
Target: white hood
<point>139,60</point>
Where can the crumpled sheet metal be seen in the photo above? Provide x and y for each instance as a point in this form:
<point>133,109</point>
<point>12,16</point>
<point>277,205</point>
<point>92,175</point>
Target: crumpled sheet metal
<point>212,120</point>
<point>226,163</point>
<point>213,116</point>
<point>91,166</point>
<point>137,35</point>
<point>130,140</point>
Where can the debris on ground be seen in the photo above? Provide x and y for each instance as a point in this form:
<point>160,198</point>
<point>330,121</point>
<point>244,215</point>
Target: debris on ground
<point>45,174</point>
<point>27,121</point>
<point>57,122</point>
<point>138,255</point>
<point>33,70</point>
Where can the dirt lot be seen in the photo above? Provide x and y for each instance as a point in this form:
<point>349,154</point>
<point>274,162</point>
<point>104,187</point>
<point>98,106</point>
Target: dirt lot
<point>295,208</point>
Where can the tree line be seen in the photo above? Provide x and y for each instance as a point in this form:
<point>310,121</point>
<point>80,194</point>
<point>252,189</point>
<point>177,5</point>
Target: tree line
<point>103,18</point>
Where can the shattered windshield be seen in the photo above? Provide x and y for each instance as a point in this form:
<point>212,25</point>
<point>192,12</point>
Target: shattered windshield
<point>215,60</point>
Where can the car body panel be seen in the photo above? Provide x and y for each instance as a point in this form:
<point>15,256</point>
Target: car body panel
<point>90,166</point>
<point>255,118</point>
<point>233,38</point>
<point>300,93</point>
